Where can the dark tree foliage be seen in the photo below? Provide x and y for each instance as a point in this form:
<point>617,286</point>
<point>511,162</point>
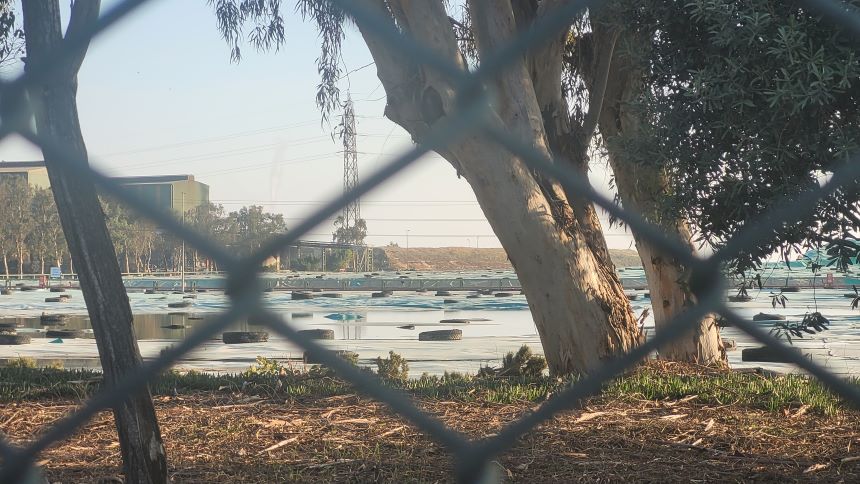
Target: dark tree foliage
<point>747,103</point>
<point>11,34</point>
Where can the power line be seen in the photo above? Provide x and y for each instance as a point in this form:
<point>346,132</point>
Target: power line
<point>211,139</point>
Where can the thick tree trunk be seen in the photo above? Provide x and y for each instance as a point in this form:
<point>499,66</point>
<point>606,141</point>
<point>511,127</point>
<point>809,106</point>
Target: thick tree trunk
<point>89,243</point>
<point>640,186</point>
<point>577,302</point>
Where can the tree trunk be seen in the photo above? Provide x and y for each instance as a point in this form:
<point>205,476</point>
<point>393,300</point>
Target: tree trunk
<point>6,265</point>
<point>641,185</point>
<point>84,226</point>
<point>576,300</point>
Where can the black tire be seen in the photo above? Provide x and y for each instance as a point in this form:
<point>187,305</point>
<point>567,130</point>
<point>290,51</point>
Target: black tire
<point>766,354</point>
<point>331,294</point>
<point>768,317</point>
<point>53,299</point>
<point>190,296</point>
<point>301,315</point>
<point>443,293</point>
<point>441,335</point>
<point>174,326</point>
<point>14,339</point>
<point>408,326</point>
<point>58,319</point>
<point>149,291</point>
<point>179,304</point>
<point>740,298</point>
<point>318,333</point>
<point>454,321</point>
<point>301,296</point>
<point>790,289</point>
<point>240,337</point>
<point>28,288</point>
<point>379,294</point>
<point>450,301</point>
<point>503,294</point>
<point>58,289</point>
<point>9,325</point>
<point>346,355</point>
<point>64,333</point>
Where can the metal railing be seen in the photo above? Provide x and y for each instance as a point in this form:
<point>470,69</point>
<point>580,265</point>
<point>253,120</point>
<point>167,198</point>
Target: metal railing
<point>472,458</point>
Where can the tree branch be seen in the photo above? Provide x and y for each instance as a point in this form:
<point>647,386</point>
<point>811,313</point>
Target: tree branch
<point>604,55</point>
<point>84,14</point>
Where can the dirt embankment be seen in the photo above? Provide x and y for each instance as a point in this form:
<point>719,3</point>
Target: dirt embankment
<point>464,258</point>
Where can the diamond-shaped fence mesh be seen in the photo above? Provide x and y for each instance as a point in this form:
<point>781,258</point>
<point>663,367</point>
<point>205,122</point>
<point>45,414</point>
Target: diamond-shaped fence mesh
<point>472,457</point>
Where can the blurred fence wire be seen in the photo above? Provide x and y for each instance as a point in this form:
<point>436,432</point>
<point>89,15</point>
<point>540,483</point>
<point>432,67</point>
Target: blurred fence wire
<point>473,458</point>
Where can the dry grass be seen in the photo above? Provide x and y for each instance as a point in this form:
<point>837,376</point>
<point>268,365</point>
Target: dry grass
<point>234,437</point>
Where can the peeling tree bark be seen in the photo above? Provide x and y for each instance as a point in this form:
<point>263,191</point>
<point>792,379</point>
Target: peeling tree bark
<point>577,302</point>
<point>83,223</point>
<point>640,187</point>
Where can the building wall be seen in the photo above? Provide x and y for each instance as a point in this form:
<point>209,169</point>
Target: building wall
<point>35,177</point>
<point>195,193</point>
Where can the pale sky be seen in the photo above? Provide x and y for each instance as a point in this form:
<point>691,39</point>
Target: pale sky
<point>158,95</point>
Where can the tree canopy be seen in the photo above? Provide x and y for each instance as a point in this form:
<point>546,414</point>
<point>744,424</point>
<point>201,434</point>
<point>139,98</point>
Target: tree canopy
<point>745,104</point>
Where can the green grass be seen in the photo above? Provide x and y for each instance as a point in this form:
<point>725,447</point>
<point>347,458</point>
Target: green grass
<point>22,382</point>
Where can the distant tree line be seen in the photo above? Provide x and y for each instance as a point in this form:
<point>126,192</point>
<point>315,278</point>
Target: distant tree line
<point>31,238</point>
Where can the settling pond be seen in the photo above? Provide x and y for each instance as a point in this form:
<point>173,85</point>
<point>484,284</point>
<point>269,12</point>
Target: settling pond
<point>496,325</point>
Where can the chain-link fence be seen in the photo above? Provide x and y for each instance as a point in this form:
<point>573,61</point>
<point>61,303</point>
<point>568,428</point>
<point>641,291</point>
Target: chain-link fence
<point>471,457</point>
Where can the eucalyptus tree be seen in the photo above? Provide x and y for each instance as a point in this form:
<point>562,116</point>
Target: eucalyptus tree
<point>556,243</point>
<point>56,119</point>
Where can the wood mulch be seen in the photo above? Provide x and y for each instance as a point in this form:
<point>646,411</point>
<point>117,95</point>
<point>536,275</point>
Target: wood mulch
<point>219,437</point>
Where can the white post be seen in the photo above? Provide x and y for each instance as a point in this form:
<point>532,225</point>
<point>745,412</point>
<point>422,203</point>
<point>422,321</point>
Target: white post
<point>182,252</point>
<point>407,249</point>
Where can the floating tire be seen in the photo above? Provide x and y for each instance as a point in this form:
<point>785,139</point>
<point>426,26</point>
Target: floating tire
<point>790,289</point>
<point>174,326</point>
<point>768,317</point>
<point>317,333</point>
<point>450,301</point>
<point>14,339</point>
<point>301,315</point>
<point>740,298</point>
<point>57,289</point>
<point>503,294</point>
<point>408,326</point>
<point>53,319</point>
<point>647,295</point>
<point>190,296</point>
<point>473,296</point>
<point>180,304</point>
<point>28,288</point>
<point>331,294</point>
<point>149,291</point>
<point>851,295</point>
<point>767,354</point>
<point>64,333</point>
<point>379,294</point>
<point>308,359</point>
<point>632,297</point>
<point>454,321</point>
<point>54,299</point>
<point>441,335</point>
<point>443,293</point>
<point>240,337</point>
<point>9,325</point>
<point>301,296</point>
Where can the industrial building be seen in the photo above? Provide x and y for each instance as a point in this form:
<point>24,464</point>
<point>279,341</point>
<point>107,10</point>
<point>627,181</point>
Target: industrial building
<point>168,192</point>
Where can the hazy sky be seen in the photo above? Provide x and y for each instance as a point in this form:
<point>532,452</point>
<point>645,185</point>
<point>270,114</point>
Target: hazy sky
<point>158,95</point>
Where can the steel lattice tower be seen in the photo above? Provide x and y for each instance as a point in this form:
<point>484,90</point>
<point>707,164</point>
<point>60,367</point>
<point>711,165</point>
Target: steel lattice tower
<point>351,212</point>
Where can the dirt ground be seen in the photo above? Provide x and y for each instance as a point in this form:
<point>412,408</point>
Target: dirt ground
<point>218,437</point>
